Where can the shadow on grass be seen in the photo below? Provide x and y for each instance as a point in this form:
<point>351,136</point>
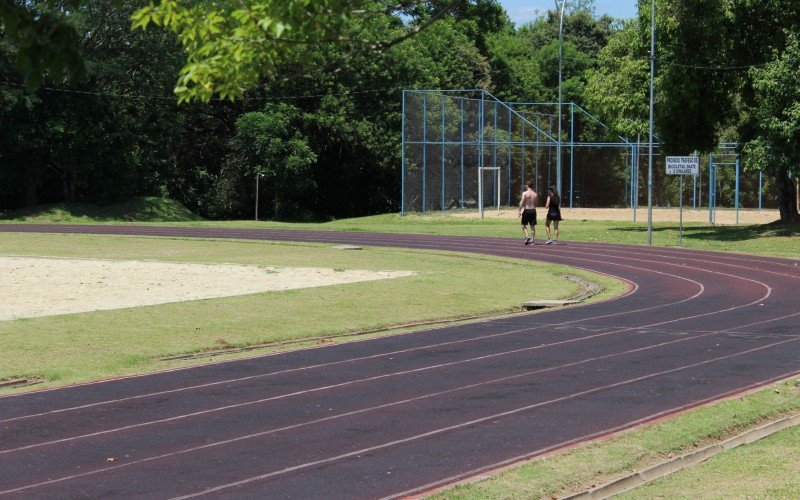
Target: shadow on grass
<point>724,233</point>
<point>143,209</point>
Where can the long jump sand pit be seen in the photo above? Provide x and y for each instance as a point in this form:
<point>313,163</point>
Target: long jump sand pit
<point>721,216</point>
<point>40,286</point>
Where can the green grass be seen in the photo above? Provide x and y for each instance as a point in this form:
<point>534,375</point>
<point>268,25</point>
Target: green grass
<point>769,468</point>
<point>72,348</point>
<point>763,239</point>
<point>144,209</point>
<point>585,466</point>
<point>78,347</point>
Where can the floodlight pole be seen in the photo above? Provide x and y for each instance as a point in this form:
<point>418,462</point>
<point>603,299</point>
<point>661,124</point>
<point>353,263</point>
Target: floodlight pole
<point>650,154</point>
<point>560,66</point>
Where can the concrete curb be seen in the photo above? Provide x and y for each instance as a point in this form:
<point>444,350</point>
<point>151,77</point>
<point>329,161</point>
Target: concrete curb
<point>644,476</point>
<point>588,290</point>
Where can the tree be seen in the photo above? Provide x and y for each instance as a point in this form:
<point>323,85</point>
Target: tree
<point>618,89</point>
<point>776,120</point>
<point>705,87</point>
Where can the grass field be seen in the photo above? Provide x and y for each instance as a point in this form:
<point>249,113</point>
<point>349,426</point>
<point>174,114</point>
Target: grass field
<point>78,347</point>
<point>71,348</point>
<point>769,468</point>
<point>762,239</point>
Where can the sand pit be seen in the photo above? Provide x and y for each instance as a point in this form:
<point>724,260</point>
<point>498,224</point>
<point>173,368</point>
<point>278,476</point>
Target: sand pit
<point>38,286</point>
<point>721,216</point>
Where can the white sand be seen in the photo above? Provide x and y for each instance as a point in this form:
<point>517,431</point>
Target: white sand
<point>40,286</point>
<point>721,216</point>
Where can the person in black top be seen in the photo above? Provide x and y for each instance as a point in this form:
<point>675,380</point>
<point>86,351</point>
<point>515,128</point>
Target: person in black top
<point>553,214</point>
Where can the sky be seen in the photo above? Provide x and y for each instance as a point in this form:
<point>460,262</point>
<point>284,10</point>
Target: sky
<point>522,11</point>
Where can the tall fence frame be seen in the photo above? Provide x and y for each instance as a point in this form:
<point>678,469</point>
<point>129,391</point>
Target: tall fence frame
<point>467,149</point>
<point>466,134</point>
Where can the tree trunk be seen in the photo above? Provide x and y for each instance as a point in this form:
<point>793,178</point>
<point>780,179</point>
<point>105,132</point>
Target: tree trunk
<point>787,197</point>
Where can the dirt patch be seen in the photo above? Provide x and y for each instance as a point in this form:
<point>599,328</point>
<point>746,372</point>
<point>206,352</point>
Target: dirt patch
<point>39,286</point>
<point>721,216</point>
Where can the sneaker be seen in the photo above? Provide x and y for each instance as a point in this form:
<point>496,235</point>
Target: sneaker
<point>528,241</point>
<point>549,242</point>
<point>553,242</point>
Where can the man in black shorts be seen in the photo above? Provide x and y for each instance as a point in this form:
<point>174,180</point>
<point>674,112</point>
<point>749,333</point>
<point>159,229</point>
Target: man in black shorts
<point>527,212</point>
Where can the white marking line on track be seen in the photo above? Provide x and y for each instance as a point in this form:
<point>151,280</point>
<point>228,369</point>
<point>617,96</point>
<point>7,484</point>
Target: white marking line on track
<point>435,345</point>
<point>622,249</point>
<point>341,384</point>
<point>394,403</point>
<point>634,289</point>
<point>608,432</point>
<point>349,360</point>
<point>462,425</point>
<point>702,289</point>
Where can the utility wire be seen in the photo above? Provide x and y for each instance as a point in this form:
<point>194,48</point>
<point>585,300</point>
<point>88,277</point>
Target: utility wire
<point>174,98</point>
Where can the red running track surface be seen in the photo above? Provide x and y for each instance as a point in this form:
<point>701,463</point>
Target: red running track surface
<point>397,415</point>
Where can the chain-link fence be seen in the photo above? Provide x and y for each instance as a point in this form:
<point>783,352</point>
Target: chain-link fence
<point>466,149</point>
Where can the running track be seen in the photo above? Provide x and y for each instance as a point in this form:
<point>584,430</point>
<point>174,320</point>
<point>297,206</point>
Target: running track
<point>402,414</point>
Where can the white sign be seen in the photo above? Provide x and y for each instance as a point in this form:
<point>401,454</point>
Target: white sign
<point>683,165</point>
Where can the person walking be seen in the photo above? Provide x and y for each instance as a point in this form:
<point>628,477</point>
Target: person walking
<point>527,212</point>
<point>553,214</point>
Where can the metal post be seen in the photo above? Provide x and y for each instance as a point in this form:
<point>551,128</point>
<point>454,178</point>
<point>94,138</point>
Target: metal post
<point>737,189</point>
<point>636,176</point>
<point>694,184</point>
<point>462,153</point>
<point>650,155</point>
<point>258,176</point>
<point>680,227</point>
<point>760,187</point>
<point>480,157</point>
<point>443,151</point>
<point>508,154</point>
<point>571,150</point>
<point>711,188</point>
<point>560,67</point>
<point>424,150</point>
<point>403,157</point>
<point>522,169</point>
<point>496,178</point>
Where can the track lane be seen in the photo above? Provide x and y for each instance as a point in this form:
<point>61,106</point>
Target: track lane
<point>727,294</point>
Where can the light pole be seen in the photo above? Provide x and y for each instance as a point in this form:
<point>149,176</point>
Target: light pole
<point>560,65</point>
<point>650,154</point>
<point>259,175</point>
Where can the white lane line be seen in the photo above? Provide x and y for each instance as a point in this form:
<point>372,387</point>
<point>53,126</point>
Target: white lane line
<point>349,360</point>
<point>350,382</point>
<point>159,393</point>
<point>462,425</point>
<point>702,289</point>
<point>396,403</point>
<point>497,466</point>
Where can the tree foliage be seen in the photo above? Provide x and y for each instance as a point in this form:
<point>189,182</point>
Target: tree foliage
<point>727,63</point>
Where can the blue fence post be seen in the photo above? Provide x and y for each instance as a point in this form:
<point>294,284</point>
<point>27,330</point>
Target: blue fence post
<point>694,184</point>
<point>424,150</point>
<point>711,188</point>
<point>403,156</point>
<point>571,150</point>
<point>508,154</point>
<point>480,154</point>
<point>495,177</point>
<point>462,153</point>
<point>443,150</point>
<point>522,168</point>
<point>737,188</point>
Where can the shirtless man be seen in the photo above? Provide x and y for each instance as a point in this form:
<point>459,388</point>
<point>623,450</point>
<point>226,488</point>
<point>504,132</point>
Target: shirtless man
<point>527,212</point>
